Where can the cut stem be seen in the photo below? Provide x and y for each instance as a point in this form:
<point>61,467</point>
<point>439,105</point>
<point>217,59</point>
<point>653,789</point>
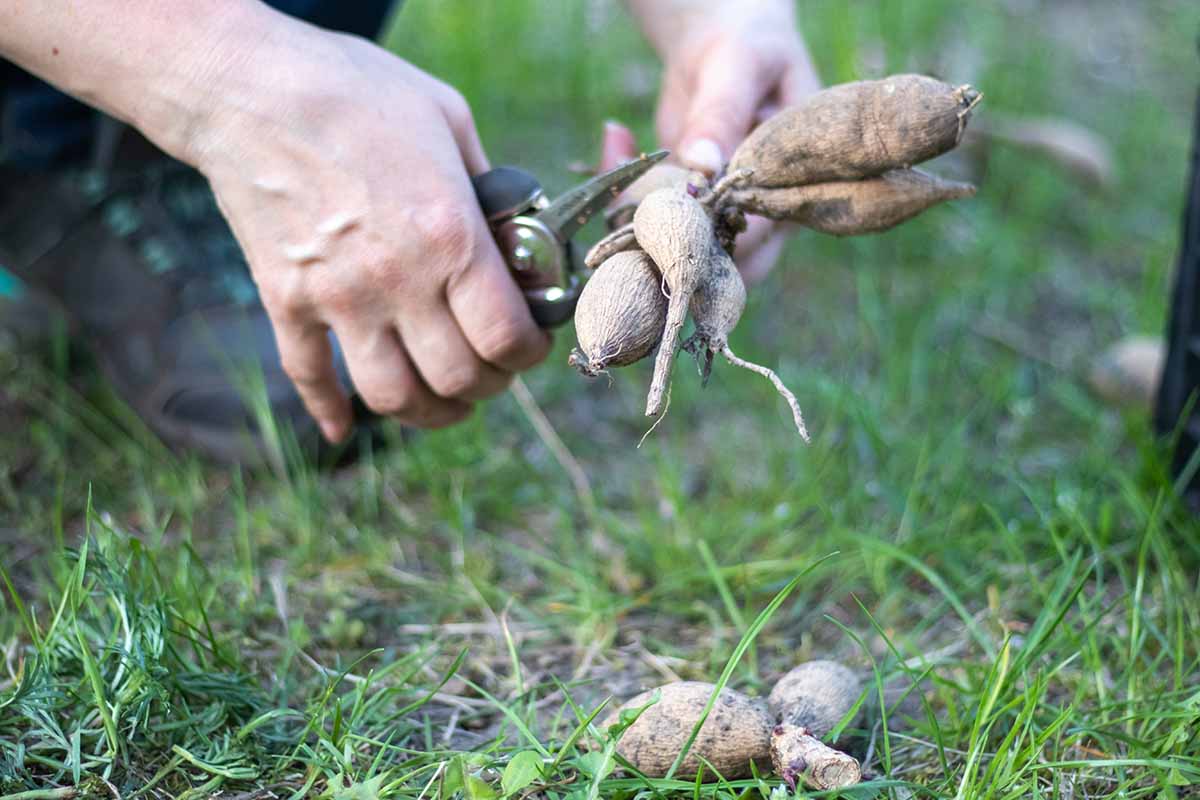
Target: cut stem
<point>770,375</point>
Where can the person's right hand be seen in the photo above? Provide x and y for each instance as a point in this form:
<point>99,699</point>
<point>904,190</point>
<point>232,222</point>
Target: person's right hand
<point>344,172</point>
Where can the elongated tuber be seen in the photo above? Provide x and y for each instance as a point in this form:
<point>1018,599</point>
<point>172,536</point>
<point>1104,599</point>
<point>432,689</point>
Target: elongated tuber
<point>676,231</point>
<point>857,130</point>
<point>620,315</point>
<point>815,695</point>
<point>852,208</point>
<point>736,732</point>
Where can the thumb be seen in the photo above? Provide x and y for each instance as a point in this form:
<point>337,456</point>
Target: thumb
<point>618,146</point>
<point>722,111</point>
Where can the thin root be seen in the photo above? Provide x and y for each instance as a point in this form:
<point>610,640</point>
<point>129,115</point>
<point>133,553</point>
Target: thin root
<point>618,241</point>
<point>770,375</point>
<point>661,417</point>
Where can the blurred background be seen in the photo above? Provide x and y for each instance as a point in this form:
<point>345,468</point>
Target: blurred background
<point>964,484</point>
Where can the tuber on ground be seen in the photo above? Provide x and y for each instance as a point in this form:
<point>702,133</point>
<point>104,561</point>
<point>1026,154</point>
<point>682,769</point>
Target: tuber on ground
<point>736,732</point>
<point>676,231</point>
<point>853,208</point>
<point>620,314</point>
<point>815,695</point>
<point>840,163</point>
<point>857,130</point>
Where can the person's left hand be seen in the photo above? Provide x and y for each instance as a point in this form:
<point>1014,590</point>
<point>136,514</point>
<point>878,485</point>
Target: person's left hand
<point>727,67</point>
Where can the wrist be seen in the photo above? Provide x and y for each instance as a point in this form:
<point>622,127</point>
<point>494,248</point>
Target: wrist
<point>198,93</point>
<point>675,26</point>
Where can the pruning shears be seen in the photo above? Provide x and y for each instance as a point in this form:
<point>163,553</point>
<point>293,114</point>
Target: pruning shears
<point>534,233</point>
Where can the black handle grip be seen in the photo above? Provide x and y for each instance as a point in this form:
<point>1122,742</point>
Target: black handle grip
<point>505,191</point>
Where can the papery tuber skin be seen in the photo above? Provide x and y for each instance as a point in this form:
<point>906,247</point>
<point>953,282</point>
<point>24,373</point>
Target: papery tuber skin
<point>815,695</point>
<point>716,307</point>
<point>736,732</point>
<point>853,208</point>
<point>857,130</point>
<point>620,314</point>
<point>676,231</point>
<point>660,176</point>
<point>798,756</point>
<point>617,241</point>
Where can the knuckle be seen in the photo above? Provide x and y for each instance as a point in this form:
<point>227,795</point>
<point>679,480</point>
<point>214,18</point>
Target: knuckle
<point>445,229</point>
<point>287,299</point>
<point>302,372</point>
<point>457,109</point>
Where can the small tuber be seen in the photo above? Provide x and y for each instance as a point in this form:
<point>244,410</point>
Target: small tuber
<point>815,695</point>
<point>660,176</point>
<point>620,314</point>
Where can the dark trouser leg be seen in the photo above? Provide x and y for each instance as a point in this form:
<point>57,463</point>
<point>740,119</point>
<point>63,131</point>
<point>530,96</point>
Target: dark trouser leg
<point>40,127</point>
<point>1181,376</point>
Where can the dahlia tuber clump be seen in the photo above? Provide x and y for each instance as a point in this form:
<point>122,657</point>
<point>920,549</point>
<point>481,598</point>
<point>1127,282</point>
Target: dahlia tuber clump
<point>741,734</point>
<point>839,163</point>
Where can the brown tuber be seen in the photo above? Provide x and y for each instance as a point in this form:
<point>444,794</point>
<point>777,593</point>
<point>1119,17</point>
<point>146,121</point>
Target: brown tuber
<point>815,695</point>
<point>852,208</point>
<point>736,732</point>
<point>676,231</point>
<point>620,315</point>
<point>857,130</point>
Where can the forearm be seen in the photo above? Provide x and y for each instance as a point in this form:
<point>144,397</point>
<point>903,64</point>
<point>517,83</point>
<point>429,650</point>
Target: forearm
<point>667,23</point>
<point>152,63</point>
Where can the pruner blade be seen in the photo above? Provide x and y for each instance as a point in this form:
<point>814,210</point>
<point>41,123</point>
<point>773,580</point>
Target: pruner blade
<point>570,212</point>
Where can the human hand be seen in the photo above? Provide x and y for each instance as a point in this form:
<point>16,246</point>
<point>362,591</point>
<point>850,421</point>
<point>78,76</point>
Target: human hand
<point>344,173</point>
<point>727,67</point>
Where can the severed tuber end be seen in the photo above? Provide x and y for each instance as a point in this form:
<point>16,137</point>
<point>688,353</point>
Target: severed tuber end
<point>798,756</point>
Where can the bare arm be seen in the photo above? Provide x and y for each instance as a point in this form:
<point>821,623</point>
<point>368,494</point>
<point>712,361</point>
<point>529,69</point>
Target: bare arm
<point>342,169</point>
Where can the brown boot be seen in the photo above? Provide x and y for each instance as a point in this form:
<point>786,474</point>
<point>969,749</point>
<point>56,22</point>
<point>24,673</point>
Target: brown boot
<point>150,277</point>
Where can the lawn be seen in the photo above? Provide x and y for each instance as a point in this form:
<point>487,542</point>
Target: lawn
<point>442,617</point>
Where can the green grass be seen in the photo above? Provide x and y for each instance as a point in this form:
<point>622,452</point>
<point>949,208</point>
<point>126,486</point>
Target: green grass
<point>445,617</point>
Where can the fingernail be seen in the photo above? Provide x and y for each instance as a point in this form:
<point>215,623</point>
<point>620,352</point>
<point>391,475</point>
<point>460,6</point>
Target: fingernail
<point>703,155</point>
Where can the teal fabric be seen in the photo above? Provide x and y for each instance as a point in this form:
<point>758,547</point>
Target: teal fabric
<point>10,285</point>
